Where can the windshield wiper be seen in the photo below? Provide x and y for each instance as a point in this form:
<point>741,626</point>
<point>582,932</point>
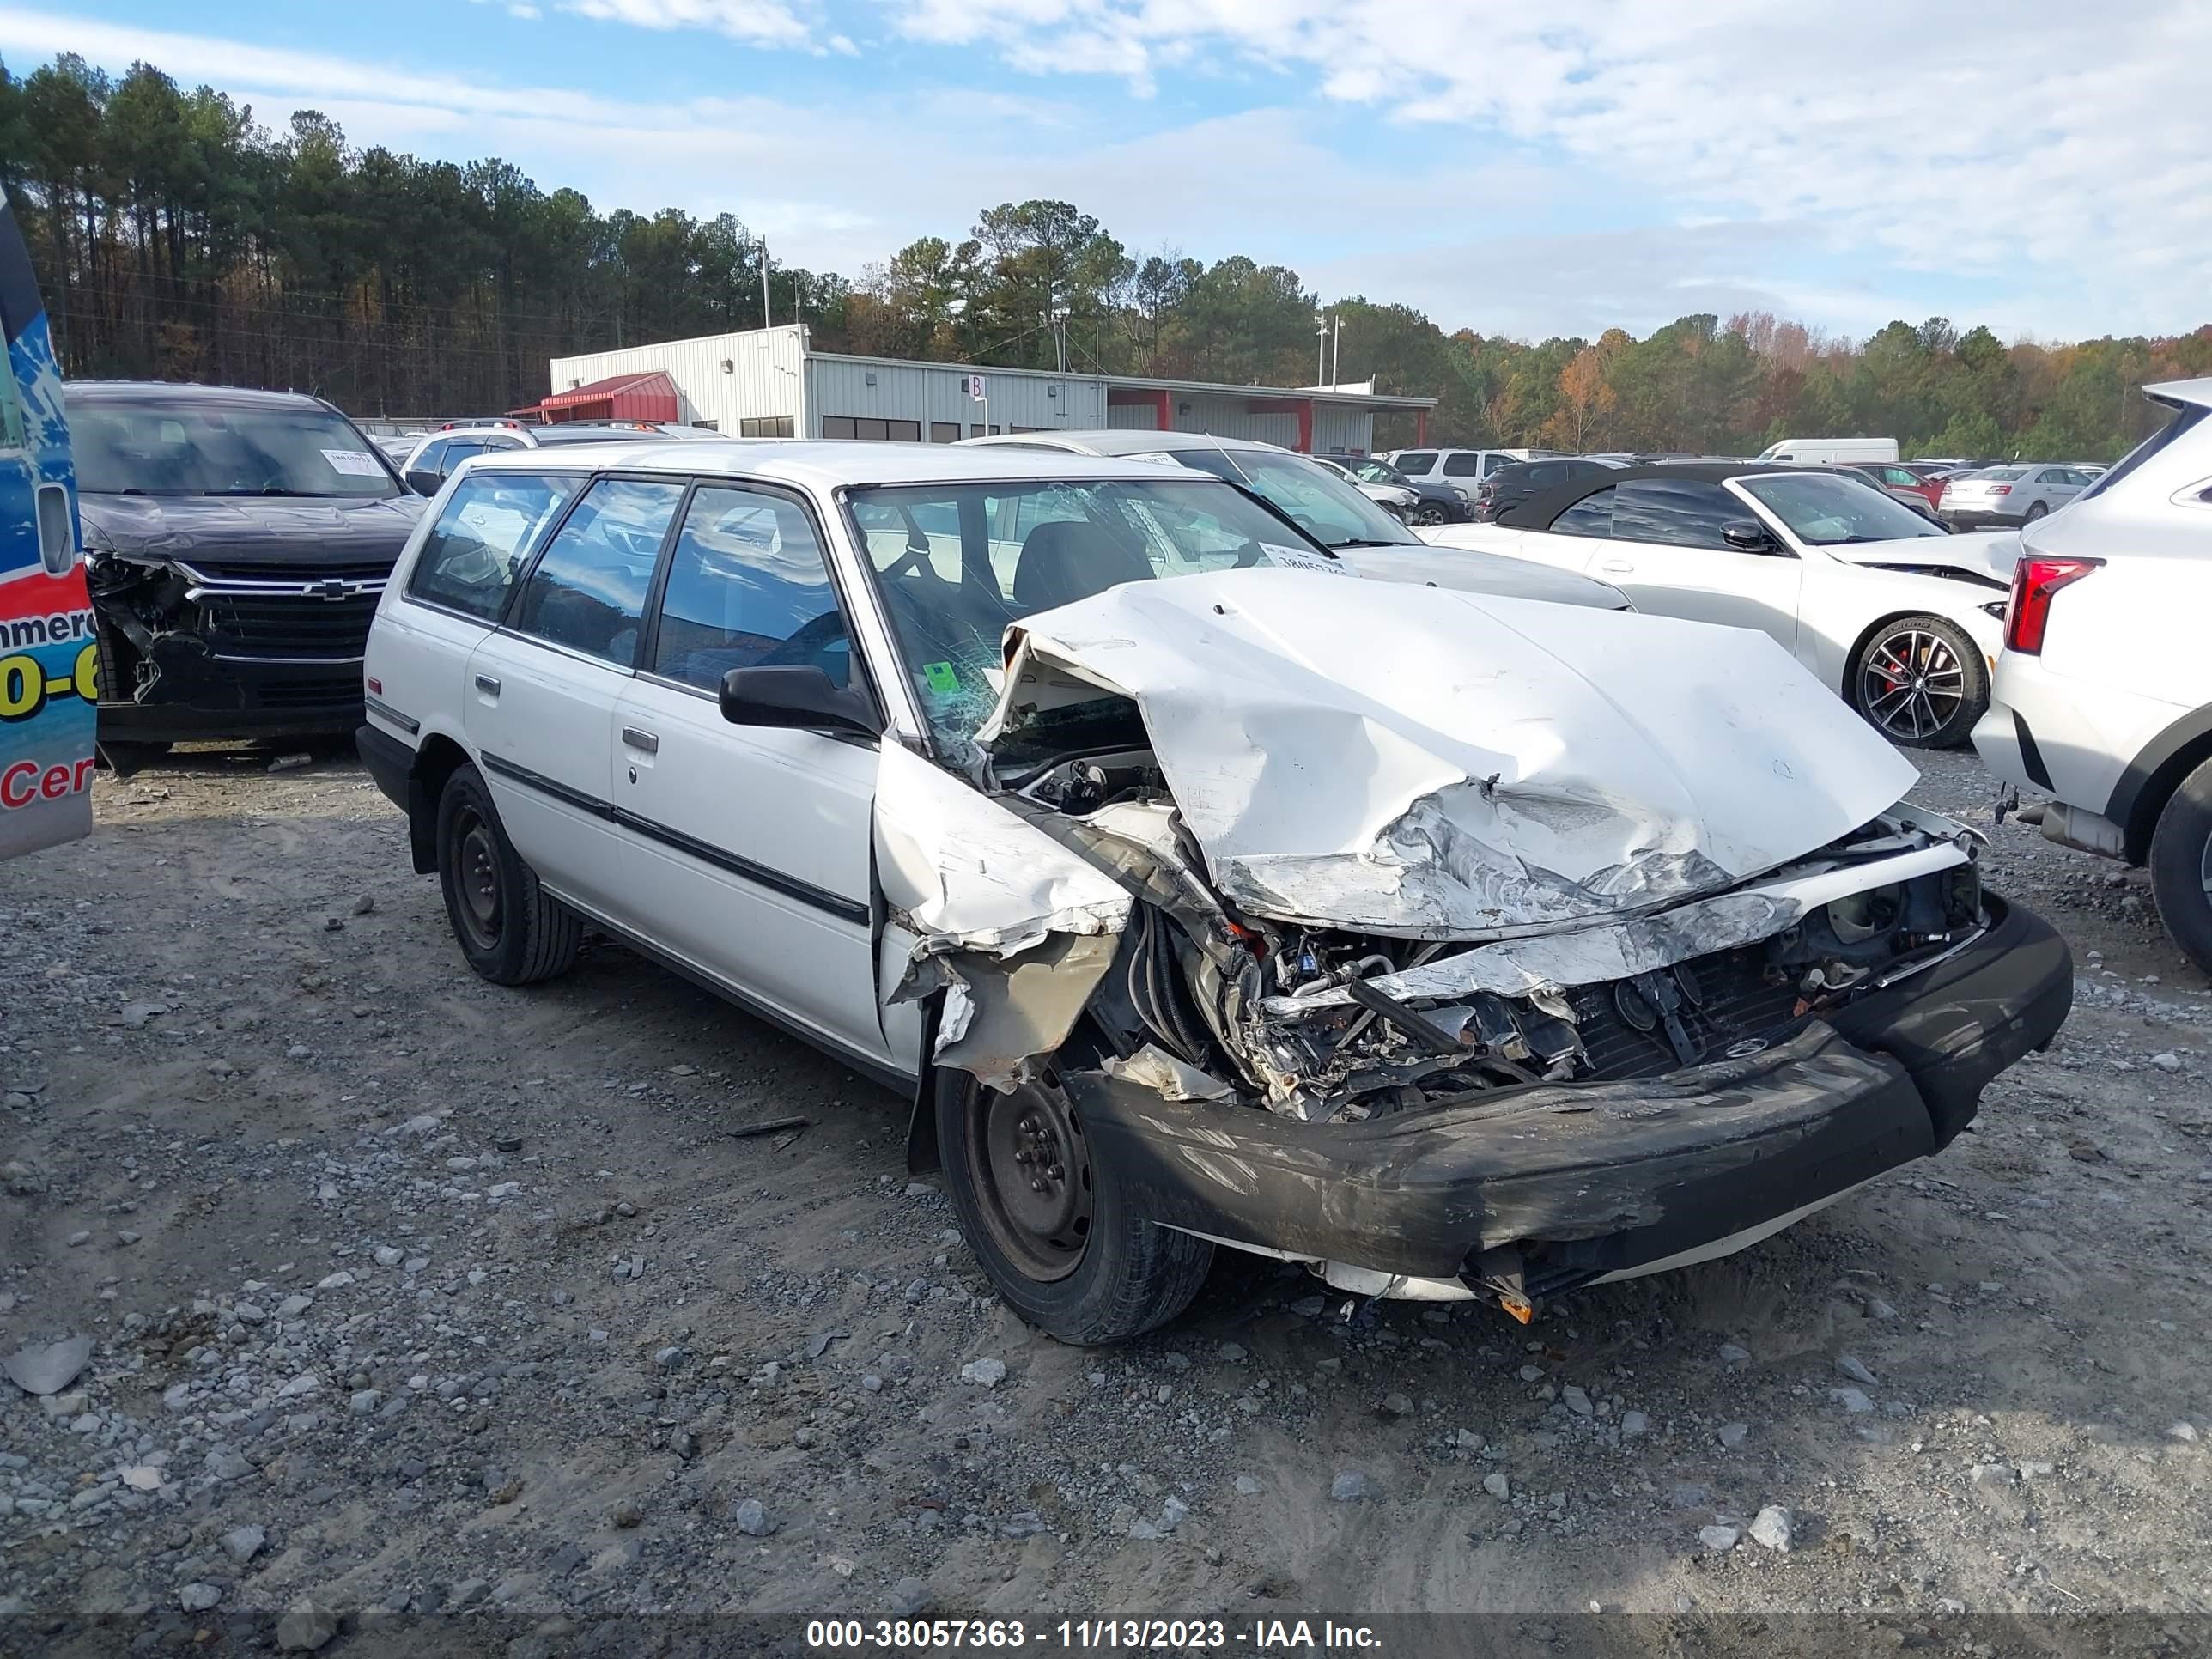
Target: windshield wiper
<point>306,494</point>
<point>1371,543</point>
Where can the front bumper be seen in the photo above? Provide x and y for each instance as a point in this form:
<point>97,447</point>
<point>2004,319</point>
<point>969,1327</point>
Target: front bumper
<point>198,693</point>
<point>1585,1179</point>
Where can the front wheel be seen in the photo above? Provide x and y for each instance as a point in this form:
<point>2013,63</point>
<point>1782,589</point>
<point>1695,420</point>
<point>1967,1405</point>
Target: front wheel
<point>1921,683</point>
<point>1049,1223</point>
<point>510,929</point>
<point>1428,512</point>
<point>2181,866</point>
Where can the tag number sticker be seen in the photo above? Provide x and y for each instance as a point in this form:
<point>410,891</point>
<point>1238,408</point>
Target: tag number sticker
<point>1300,558</point>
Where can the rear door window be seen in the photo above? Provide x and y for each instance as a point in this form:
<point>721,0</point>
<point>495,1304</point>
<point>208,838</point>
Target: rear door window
<point>1464,465</point>
<point>1590,516</point>
<point>1687,513</point>
<point>587,592</point>
<point>491,523</point>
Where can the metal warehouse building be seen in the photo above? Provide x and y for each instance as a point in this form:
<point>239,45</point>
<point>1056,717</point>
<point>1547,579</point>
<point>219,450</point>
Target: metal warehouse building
<point>770,383</point>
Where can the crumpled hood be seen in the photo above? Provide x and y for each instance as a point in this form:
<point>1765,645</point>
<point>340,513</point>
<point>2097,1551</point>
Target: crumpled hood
<point>1991,553</point>
<point>1431,763</point>
<point>250,529</point>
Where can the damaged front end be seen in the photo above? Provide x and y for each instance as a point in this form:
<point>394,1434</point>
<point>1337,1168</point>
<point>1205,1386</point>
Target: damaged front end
<point>211,648</point>
<point>1547,1037</point>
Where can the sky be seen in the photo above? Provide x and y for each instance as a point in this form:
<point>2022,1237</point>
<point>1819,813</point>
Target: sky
<point>1523,170</point>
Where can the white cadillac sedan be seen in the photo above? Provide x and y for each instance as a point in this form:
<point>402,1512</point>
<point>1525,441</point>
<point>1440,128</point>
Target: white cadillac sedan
<point>1191,888</point>
<point>1901,619</point>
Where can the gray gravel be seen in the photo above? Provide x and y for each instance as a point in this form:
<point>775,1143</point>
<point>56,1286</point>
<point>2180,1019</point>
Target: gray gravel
<point>435,1296</point>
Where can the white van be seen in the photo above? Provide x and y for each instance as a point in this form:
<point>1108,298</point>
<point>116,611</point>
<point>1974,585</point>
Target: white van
<point>1829,452</point>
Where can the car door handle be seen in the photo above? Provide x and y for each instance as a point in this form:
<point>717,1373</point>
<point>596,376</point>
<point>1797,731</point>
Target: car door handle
<point>645,743</point>
<point>488,685</point>
<point>1619,567</point>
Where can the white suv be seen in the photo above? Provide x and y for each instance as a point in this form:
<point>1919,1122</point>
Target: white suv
<point>1457,947</point>
<point>2103,696</point>
<point>1459,469</point>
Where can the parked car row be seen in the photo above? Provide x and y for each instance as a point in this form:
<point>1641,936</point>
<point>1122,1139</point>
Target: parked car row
<point>997,618</point>
<point>1899,618</point>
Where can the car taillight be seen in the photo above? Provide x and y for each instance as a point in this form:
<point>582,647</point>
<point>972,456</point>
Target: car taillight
<point>2033,582</point>
<point>2000,489</point>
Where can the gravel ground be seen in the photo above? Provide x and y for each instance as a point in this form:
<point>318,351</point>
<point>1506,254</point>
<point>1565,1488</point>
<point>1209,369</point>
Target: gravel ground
<point>407,1293</point>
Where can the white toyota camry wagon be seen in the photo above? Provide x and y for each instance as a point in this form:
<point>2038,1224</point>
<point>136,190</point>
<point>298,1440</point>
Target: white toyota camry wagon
<point>1197,885</point>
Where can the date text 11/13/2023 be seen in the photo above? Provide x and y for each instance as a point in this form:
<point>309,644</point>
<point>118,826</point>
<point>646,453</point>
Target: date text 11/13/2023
<point>1056,1637</point>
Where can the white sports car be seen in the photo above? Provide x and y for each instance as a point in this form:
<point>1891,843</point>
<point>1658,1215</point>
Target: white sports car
<point>1901,618</point>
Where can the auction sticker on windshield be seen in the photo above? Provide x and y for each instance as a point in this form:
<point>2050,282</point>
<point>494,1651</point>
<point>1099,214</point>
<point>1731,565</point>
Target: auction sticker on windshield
<point>354,463</point>
<point>1299,558</point>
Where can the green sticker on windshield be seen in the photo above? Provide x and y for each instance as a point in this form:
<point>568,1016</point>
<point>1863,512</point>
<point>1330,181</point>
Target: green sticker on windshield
<point>941,676</point>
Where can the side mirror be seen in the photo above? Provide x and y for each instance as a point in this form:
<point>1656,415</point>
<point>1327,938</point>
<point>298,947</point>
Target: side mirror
<point>422,483</point>
<point>1747,536</point>
<point>802,698</point>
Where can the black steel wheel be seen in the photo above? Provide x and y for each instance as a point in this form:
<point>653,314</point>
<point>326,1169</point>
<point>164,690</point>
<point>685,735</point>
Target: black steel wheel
<point>1047,1219</point>
<point>1032,1170</point>
<point>1921,683</point>
<point>512,930</point>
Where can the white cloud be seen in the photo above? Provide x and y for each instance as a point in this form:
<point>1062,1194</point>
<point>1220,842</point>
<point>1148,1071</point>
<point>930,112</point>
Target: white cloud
<point>1716,167</point>
<point>762,22</point>
<point>2040,134</point>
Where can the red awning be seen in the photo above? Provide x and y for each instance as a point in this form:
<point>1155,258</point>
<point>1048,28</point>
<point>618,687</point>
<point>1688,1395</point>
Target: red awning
<point>650,395</point>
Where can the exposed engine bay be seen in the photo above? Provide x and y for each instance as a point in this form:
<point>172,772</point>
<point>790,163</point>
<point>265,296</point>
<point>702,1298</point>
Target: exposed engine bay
<point>1443,966</point>
<point>1203,1001</point>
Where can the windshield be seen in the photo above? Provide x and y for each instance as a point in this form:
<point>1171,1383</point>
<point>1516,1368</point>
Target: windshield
<point>1326,506</point>
<point>1825,511</point>
<point>176,448</point>
<point>1374,471</point>
<point>2001,474</point>
<point>956,563</point>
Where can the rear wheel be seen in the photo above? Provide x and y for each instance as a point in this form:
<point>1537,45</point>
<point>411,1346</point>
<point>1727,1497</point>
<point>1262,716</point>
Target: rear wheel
<point>1048,1222</point>
<point>512,930</point>
<point>2181,866</point>
<point>2036,512</point>
<point>1921,683</point>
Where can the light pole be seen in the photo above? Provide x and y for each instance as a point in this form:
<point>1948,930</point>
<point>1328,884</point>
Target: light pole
<point>765,323</point>
<point>1321,350</point>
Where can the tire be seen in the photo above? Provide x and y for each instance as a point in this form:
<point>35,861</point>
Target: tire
<point>2035,512</point>
<point>2181,866</point>
<point>1071,1261</point>
<point>512,930</point>
<point>1428,512</point>
<point>1921,683</point>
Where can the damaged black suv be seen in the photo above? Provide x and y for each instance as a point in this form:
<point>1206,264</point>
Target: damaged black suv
<point>236,543</point>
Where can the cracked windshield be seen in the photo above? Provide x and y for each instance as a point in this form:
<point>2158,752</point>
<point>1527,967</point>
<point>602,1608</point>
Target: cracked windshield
<point>957,563</point>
